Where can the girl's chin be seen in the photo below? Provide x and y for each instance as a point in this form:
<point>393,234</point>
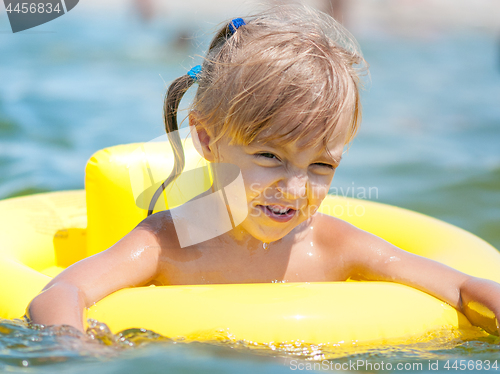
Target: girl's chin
<point>244,232</point>
<point>272,232</point>
<point>268,236</point>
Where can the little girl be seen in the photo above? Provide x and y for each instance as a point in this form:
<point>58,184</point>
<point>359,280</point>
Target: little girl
<point>278,96</point>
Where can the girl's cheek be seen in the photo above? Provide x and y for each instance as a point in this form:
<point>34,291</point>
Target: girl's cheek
<point>257,183</point>
<point>317,191</point>
<point>253,190</point>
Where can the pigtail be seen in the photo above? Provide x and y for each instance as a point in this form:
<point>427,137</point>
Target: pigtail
<point>220,38</point>
<point>226,32</point>
<point>171,105</point>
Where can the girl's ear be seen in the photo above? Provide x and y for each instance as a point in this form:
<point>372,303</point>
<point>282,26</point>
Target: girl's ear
<point>201,138</point>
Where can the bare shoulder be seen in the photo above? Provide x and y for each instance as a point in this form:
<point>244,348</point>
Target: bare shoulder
<point>364,256</point>
<point>331,238</point>
<point>158,229</point>
<point>330,230</point>
<point>353,245</point>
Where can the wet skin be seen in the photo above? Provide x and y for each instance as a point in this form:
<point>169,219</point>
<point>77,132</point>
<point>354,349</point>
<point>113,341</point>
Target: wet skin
<point>293,177</point>
<point>306,247</point>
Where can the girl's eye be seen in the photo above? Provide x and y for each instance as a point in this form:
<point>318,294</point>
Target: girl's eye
<point>270,156</point>
<point>267,155</point>
<point>325,165</point>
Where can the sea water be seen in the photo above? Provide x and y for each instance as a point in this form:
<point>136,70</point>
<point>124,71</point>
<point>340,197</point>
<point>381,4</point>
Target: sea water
<point>429,142</point>
<point>64,350</point>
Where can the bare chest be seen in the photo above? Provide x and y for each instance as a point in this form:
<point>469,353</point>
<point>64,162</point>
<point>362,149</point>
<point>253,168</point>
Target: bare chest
<point>300,262</point>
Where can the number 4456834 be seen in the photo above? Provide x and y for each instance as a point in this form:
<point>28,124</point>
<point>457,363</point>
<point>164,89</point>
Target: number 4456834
<point>33,8</point>
<point>471,365</point>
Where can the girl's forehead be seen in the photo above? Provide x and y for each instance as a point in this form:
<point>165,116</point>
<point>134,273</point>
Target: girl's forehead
<point>305,135</point>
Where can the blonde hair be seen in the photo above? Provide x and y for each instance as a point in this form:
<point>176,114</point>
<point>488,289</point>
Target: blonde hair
<point>291,66</point>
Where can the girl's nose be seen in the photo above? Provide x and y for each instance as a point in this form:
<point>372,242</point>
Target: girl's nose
<point>293,187</point>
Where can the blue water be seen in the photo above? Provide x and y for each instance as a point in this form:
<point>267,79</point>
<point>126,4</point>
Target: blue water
<point>429,142</point>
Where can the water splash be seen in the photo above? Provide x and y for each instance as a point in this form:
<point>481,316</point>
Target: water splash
<point>134,337</point>
<point>44,349</point>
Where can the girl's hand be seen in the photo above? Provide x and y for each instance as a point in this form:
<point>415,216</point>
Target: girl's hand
<point>480,301</point>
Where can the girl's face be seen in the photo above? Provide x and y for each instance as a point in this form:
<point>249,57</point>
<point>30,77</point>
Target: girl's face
<point>284,185</point>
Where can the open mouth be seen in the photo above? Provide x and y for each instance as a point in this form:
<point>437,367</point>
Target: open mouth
<point>278,213</point>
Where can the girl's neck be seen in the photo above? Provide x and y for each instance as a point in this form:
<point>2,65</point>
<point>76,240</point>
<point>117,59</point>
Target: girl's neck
<point>240,238</point>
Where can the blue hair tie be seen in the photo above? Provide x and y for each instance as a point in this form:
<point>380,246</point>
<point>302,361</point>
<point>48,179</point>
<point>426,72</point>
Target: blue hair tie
<point>235,24</point>
<point>195,72</point>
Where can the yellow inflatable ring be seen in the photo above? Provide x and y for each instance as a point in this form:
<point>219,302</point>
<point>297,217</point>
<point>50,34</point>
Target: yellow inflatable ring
<point>42,234</point>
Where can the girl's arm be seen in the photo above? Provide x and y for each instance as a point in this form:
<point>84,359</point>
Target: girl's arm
<point>372,258</point>
<point>132,261</point>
